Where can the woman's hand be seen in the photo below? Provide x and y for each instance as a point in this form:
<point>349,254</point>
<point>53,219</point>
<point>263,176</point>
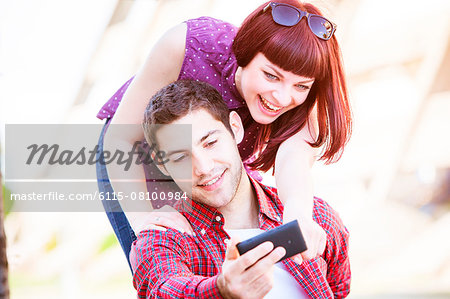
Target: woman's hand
<point>315,238</point>
<point>161,219</point>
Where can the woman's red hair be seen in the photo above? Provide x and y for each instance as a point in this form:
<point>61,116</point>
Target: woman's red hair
<point>296,49</point>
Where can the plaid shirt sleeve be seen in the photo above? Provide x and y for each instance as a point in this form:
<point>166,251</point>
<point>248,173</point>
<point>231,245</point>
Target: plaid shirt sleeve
<point>161,270</point>
<point>336,252</point>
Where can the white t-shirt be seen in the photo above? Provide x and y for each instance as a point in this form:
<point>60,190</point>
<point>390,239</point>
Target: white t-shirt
<point>284,284</point>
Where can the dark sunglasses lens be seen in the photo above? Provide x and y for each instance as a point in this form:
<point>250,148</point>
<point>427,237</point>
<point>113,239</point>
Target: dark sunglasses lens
<point>285,15</point>
<point>321,27</point>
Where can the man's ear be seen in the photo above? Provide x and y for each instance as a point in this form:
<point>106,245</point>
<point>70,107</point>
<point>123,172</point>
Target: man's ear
<point>236,126</point>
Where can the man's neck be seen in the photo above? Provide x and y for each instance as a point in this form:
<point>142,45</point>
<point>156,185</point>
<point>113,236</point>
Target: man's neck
<point>242,212</point>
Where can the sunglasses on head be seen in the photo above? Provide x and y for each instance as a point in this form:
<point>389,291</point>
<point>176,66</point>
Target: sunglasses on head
<point>288,15</point>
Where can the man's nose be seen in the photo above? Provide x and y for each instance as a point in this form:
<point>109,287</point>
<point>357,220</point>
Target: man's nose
<point>202,164</point>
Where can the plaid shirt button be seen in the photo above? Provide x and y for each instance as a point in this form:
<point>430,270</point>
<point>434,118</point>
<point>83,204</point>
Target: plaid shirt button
<point>203,231</point>
<point>218,218</point>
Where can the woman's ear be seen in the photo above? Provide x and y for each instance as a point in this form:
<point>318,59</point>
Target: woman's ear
<point>236,126</point>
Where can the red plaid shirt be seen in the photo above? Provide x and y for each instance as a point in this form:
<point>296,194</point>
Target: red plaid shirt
<point>169,264</point>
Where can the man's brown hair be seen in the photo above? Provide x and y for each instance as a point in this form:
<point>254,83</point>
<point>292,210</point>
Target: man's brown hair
<point>180,98</point>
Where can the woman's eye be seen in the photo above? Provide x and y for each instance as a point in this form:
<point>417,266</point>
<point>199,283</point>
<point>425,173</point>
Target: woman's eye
<point>302,87</point>
<point>270,76</point>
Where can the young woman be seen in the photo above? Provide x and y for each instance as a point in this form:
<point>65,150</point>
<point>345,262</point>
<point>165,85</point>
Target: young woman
<point>281,71</point>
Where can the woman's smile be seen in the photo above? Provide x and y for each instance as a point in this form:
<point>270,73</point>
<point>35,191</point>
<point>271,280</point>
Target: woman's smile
<point>268,105</point>
<point>268,108</point>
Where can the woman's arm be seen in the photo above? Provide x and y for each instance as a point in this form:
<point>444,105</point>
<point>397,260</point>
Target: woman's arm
<point>293,164</point>
<point>161,67</point>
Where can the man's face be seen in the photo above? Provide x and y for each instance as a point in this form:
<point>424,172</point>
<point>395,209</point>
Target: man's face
<point>207,166</point>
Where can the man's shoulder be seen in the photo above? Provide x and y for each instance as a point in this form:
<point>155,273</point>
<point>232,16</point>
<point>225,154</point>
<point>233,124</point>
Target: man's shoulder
<point>323,213</point>
<point>328,219</point>
<point>147,238</point>
<point>149,241</point>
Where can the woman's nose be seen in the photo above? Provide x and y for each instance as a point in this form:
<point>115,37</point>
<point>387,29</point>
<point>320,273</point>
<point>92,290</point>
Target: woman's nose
<point>282,96</point>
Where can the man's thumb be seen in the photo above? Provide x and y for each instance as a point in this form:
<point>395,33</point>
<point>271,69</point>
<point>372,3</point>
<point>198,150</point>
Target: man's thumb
<point>232,252</point>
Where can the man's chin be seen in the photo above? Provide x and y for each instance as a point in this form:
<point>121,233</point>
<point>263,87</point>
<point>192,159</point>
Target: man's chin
<point>212,199</point>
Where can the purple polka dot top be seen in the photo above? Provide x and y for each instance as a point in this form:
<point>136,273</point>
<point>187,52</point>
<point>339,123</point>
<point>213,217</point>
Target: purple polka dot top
<point>208,58</point>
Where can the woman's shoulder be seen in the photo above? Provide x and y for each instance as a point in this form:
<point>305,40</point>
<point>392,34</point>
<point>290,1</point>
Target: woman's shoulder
<point>205,23</point>
<point>208,55</point>
<point>210,35</point>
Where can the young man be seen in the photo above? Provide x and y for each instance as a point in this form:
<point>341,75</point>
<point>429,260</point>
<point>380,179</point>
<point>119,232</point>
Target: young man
<point>225,202</point>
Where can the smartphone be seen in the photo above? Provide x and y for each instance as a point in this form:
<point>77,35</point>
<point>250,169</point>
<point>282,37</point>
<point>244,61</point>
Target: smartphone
<point>287,235</point>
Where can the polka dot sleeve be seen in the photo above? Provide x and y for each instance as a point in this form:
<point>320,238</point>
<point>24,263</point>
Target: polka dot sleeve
<point>208,50</point>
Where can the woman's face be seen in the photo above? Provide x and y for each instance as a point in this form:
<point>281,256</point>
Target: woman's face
<point>268,90</point>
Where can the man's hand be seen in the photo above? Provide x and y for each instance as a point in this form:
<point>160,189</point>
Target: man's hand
<point>315,238</point>
<point>249,275</point>
<point>160,219</point>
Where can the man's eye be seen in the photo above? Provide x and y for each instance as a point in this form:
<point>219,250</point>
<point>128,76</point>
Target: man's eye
<point>270,76</point>
<point>179,158</point>
<point>211,143</point>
